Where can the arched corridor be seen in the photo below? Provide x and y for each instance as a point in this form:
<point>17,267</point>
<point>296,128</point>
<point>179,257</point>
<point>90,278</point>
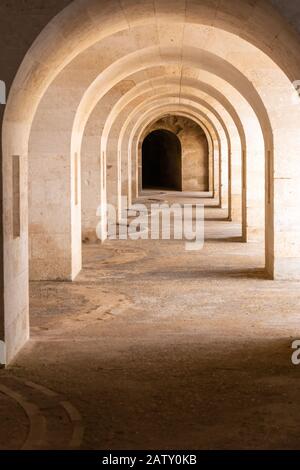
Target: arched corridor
<point>151,225</point>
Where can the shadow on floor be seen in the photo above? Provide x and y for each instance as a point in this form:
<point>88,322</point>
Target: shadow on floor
<point>180,391</point>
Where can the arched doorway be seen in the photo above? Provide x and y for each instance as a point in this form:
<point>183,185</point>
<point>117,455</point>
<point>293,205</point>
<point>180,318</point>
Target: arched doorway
<point>162,161</point>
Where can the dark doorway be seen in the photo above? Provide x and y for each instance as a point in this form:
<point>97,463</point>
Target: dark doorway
<point>161,157</point>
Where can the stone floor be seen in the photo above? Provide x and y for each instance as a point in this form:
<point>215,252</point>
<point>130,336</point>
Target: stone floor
<point>156,347</point>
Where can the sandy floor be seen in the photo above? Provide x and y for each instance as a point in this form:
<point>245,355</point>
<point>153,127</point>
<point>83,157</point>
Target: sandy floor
<point>156,347</point>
